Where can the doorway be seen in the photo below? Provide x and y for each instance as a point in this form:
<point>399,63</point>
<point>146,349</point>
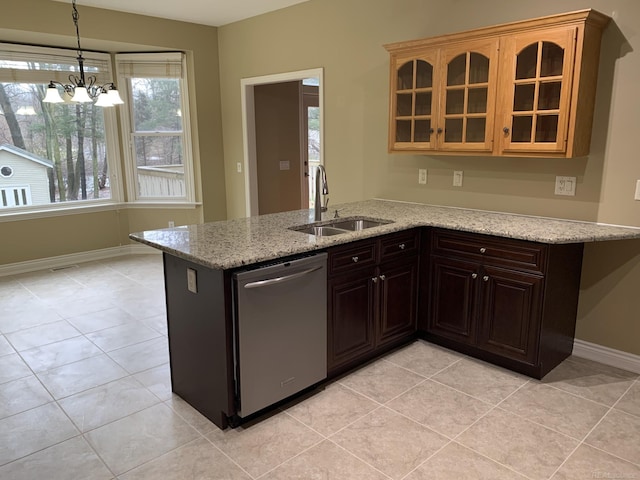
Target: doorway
<point>283,138</point>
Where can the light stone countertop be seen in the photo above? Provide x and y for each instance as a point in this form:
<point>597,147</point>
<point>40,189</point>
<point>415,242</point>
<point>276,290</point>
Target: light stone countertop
<point>244,241</point>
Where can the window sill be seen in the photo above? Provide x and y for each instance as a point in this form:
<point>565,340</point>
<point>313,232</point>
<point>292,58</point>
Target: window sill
<point>30,214</point>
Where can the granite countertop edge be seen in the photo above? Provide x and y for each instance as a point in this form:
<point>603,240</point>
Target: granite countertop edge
<point>245,241</point>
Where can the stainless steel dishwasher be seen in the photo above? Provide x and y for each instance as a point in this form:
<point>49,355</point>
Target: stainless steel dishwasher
<point>280,331</point>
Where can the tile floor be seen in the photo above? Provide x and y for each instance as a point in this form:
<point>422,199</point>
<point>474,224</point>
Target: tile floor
<point>85,394</point>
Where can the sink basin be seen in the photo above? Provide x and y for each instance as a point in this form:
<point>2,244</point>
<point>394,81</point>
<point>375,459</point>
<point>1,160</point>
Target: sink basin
<point>338,226</point>
<point>319,231</point>
<point>358,224</point>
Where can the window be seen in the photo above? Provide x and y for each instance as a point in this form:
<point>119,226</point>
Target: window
<point>52,155</point>
<point>158,153</point>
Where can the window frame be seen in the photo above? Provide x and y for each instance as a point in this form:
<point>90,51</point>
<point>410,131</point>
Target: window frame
<point>131,60</point>
<point>10,51</point>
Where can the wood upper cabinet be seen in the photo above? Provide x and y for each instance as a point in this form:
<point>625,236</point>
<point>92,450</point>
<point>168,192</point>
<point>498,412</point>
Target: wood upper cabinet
<point>467,96</point>
<point>537,81</point>
<point>520,89</point>
<point>414,103</point>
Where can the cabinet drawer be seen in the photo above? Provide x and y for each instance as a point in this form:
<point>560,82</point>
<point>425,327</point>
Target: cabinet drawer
<point>398,245</point>
<point>356,255</point>
<point>509,253</point>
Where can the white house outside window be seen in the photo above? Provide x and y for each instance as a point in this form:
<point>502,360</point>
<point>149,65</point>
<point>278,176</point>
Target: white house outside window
<point>59,155</point>
<point>159,159</point>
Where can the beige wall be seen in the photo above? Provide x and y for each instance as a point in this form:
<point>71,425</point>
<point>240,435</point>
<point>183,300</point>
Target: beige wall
<point>277,109</point>
<point>46,22</point>
<point>345,37</point>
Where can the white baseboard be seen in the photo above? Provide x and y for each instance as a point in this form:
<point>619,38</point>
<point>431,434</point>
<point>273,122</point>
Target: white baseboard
<point>74,258</point>
<point>608,356</point>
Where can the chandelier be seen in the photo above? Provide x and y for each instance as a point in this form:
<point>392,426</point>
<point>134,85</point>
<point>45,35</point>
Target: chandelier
<point>80,88</point>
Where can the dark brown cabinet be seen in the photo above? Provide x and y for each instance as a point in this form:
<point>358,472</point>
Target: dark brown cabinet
<point>372,297</point>
<point>508,301</point>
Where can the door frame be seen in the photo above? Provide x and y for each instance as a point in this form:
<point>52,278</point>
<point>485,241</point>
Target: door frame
<point>249,128</point>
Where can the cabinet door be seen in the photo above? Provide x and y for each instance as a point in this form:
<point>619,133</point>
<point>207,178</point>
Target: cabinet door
<point>351,316</point>
<point>510,318</point>
<point>468,84</point>
<point>397,287</point>
<point>453,293</point>
<point>537,83</point>
<point>413,103</point>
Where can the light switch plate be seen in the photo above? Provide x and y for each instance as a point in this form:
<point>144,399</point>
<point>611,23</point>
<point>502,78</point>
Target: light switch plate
<point>422,176</point>
<point>565,186</point>
<point>457,178</point>
<point>239,167</point>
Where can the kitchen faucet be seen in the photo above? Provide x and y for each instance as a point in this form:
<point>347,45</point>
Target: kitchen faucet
<point>321,176</point>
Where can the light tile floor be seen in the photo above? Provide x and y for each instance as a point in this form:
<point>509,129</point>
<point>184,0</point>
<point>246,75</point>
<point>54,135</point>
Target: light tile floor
<point>85,394</point>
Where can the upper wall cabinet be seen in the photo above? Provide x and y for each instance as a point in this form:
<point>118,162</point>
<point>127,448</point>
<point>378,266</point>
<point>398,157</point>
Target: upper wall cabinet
<point>520,89</point>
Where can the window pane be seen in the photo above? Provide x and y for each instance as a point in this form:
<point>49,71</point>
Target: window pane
<point>159,166</point>
<point>55,152</point>
<point>156,104</point>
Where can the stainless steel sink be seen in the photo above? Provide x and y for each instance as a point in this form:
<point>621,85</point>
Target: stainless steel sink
<point>338,226</point>
<point>358,224</point>
<point>319,230</point>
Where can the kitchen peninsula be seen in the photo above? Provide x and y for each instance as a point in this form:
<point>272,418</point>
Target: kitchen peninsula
<point>501,287</point>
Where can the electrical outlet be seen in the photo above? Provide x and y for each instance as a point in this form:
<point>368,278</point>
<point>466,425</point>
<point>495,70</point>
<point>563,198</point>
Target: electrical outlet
<point>192,280</point>
<point>457,178</point>
<point>171,224</point>
<point>422,176</point>
<point>637,195</point>
<point>239,167</point>
<point>565,186</point>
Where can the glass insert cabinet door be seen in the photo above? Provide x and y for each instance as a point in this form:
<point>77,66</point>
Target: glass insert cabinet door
<point>468,88</point>
<point>413,103</point>
<point>539,84</point>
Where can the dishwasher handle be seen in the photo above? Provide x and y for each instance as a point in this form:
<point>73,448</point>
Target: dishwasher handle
<point>286,278</point>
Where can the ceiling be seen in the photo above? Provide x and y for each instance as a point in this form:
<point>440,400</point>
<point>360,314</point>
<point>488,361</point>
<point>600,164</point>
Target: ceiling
<point>206,12</point>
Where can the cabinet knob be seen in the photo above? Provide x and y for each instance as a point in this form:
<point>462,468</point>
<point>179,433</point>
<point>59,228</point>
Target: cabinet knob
<point>483,250</point>
<point>506,130</point>
<point>374,279</point>
<point>474,275</point>
<point>431,131</point>
<point>439,131</point>
<point>401,246</point>
<point>383,278</point>
<point>485,278</point>
<point>355,259</point>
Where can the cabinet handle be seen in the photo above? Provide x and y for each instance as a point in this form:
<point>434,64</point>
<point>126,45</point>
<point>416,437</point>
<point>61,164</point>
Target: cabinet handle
<point>401,246</point>
<point>439,131</point>
<point>485,278</point>
<point>355,259</point>
<point>483,250</point>
<point>474,275</point>
<point>383,278</point>
<point>374,279</point>
<point>506,130</point>
<point>431,131</point>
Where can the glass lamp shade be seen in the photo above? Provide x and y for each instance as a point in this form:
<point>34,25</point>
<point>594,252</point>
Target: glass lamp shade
<point>81,95</point>
<point>104,100</point>
<point>52,96</point>
<point>114,97</point>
